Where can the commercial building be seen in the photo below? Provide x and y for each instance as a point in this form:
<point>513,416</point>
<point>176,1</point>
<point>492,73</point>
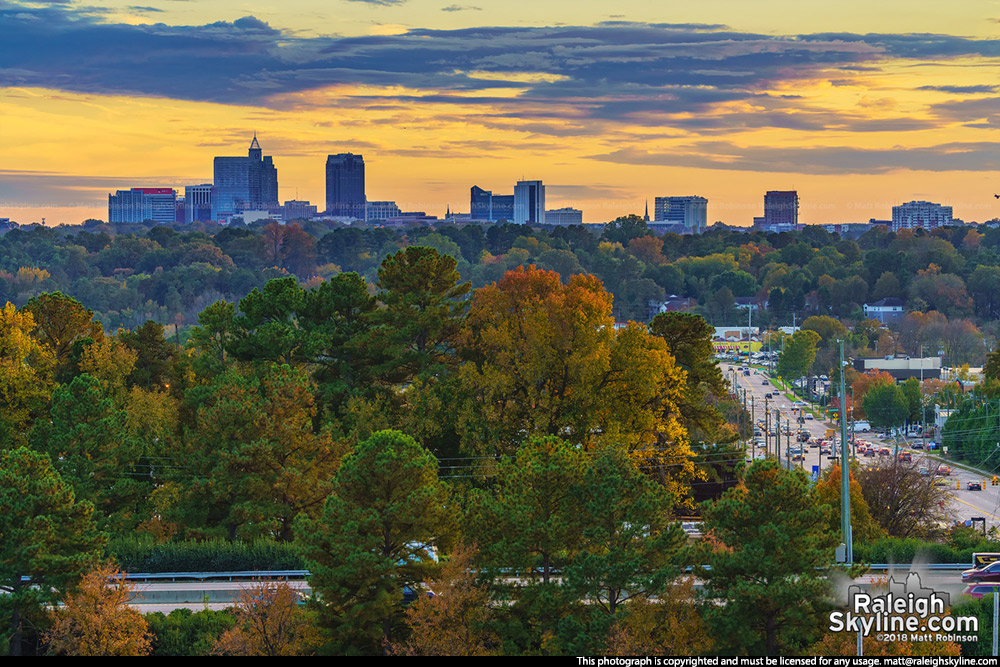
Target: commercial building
<point>244,183</point>
<point>689,213</point>
<point>923,214</point>
<point>529,203</point>
<point>141,204</point>
<point>564,216</point>
<point>381,210</point>
<point>345,185</point>
<point>297,210</point>
<point>902,368</point>
<point>197,203</point>
<point>485,206</point>
<point>781,209</point>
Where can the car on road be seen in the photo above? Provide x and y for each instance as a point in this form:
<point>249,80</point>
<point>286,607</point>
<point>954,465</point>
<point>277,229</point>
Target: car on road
<point>869,452</point>
<point>940,481</point>
<point>906,456</point>
<point>990,572</point>
<point>765,382</point>
<point>944,470</point>
<point>768,396</point>
<point>923,471</point>
<point>884,452</point>
<point>979,590</point>
<point>974,486</point>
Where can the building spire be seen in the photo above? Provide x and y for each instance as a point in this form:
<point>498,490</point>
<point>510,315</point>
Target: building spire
<point>646,217</point>
<point>254,144</point>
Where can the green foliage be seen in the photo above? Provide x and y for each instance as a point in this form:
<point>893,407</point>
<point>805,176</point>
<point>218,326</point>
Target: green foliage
<point>424,308</point>
<point>136,553</point>
<point>386,511</point>
<point>886,406</point>
<point>798,356</point>
<point>624,229</point>
<point>47,540</point>
<point>94,452</point>
<point>773,540</point>
<point>187,633</point>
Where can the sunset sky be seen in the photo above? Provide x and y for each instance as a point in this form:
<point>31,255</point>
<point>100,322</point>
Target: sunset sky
<point>857,105</point>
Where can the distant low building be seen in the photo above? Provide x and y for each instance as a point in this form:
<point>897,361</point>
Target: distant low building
<point>381,210</point>
<point>889,309</point>
<point>564,216</point>
<point>672,304</point>
<point>298,210</point>
<point>902,368</point>
<point>746,303</point>
<point>736,333</point>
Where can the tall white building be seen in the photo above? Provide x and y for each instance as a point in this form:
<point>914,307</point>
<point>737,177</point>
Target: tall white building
<point>691,212</point>
<point>925,214</point>
<point>197,202</point>
<point>529,202</point>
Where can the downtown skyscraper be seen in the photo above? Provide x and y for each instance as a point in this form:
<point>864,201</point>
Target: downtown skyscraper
<point>244,183</point>
<point>345,185</point>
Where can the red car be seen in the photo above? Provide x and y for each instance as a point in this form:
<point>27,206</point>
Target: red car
<point>979,590</point>
<point>989,572</point>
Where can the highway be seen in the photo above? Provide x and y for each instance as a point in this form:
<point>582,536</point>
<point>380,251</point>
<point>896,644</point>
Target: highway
<point>964,504</point>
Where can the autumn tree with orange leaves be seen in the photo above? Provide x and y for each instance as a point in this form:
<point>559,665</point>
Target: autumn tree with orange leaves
<point>456,619</point>
<point>545,359</point>
<point>97,621</point>
<point>861,386</point>
<point>270,622</point>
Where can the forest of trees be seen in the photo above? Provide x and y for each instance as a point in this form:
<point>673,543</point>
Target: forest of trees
<point>374,398</point>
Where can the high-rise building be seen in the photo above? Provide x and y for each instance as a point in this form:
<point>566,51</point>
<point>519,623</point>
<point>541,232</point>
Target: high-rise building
<point>529,203</point>
<point>141,204</point>
<point>564,216</point>
<point>689,214</point>
<point>244,183</point>
<point>345,185</point>
<point>925,214</point>
<point>781,208</point>
<point>485,206</point>
<point>197,203</point>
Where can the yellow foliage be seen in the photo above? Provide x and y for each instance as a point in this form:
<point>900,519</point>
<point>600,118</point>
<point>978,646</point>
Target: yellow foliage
<point>110,362</point>
<point>97,621</point>
<point>25,370</point>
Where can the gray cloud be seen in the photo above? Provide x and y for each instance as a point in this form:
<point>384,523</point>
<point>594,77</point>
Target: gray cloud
<point>968,156</point>
<point>461,8</point>
<point>961,90</point>
<point>657,75</point>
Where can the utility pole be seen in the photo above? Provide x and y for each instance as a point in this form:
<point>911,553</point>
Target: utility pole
<point>845,484</point>
<point>753,429</point>
<point>777,434</point>
<point>923,406</point>
<point>767,427</point>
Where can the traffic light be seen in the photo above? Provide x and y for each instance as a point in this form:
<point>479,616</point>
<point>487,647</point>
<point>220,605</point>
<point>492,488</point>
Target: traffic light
<point>995,480</point>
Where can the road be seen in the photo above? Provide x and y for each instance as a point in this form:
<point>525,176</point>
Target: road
<point>964,504</point>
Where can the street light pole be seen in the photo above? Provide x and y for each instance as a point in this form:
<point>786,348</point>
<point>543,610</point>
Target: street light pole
<point>845,485</point>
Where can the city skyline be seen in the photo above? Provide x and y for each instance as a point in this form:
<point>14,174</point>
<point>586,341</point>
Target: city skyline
<point>858,109</point>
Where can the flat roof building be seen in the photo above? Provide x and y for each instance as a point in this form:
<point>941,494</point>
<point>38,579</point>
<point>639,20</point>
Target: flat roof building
<point>141,204</point>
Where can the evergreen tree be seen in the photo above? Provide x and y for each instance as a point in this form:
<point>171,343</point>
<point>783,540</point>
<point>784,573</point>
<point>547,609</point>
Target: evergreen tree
<point>386,513</point>
<point>765,574</point>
